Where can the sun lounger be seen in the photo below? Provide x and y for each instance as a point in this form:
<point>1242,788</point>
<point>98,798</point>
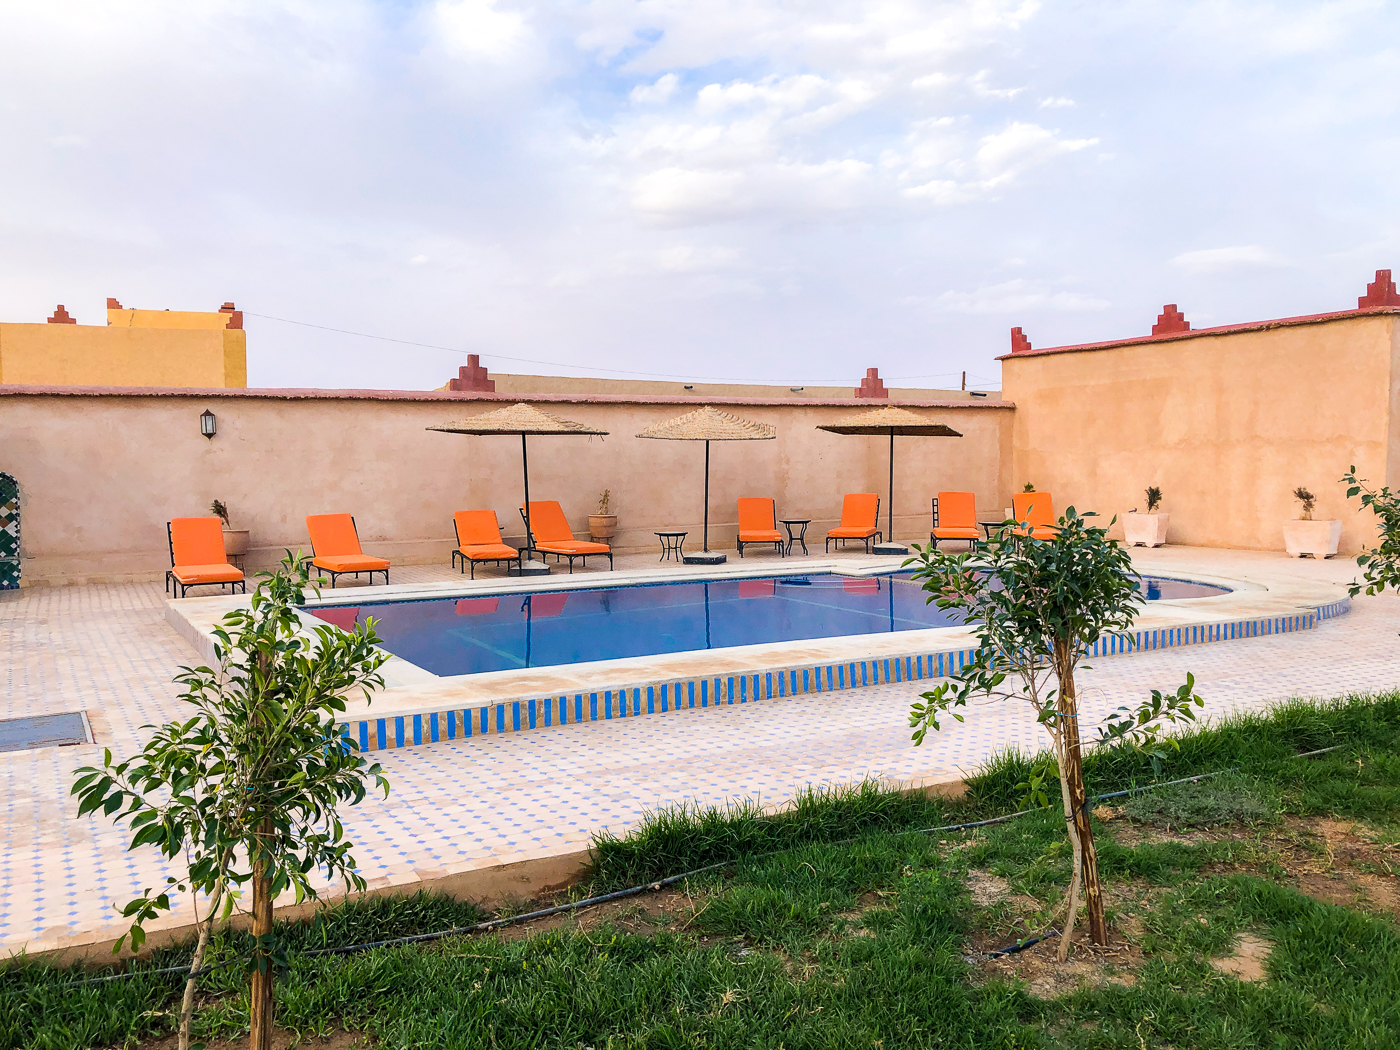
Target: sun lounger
<point>860,513</point>
<point>197,557</point>
<point>552,535</point>
<point>335,548</point>
<point>1037,511</point>
<point>479,540</point>
<point>955,518</point>
<point>758,523</point>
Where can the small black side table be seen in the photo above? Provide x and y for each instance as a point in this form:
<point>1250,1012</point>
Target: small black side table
<point>671,544</point>
<point>801,537</point>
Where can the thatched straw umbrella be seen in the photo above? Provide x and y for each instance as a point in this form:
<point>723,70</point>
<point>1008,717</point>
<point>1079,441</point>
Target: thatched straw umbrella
<point>709,424</point>
<point>890,420</point>
<point>523,420</point>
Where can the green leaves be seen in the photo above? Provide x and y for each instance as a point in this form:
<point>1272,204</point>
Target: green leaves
<point>1381,564</point>
<point>1141,727</point>
<point>262,750</point>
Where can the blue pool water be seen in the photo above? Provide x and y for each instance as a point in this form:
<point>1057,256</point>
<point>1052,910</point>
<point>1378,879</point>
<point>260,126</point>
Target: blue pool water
<point>450,636</point>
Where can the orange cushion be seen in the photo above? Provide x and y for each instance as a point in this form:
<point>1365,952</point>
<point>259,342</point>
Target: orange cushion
<point>859,510</point>
<point>756,515</point>
<point>548,523</point>
<point>1036,532</point>
<point>573,547</point>
<point>332,534</point>
<point>1036,508</point>
<point>957,533</point>
<point>761,536</point>
<point>350,563</point>
<point>957,510</point>
<point>852,532</point>
<point>192,574</point>
<point>488,551</point>
<point>197,541</point>
<point>477,527</point>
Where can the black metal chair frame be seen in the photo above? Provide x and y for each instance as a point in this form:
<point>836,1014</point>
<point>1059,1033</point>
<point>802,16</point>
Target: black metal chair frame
<point>764,543</point>
<point>971,543</point>
<point>878,537</point>
<point>457,553</point>
<point>532,549</point>
<point>346,572</point>
<point>171,578</point>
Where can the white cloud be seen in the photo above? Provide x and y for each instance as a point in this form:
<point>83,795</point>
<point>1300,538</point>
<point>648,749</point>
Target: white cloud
<point>979,86</point>
<point>1056,103</point>
<point>692,258</point>
<point>1214,260</point>
<point>478,29</point>
<point>1017,295</point>
<point>1007,153</point>
<point>657,93</point>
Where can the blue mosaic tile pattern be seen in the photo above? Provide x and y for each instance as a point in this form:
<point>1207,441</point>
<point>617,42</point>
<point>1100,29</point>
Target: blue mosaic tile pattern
<point>518,715</point>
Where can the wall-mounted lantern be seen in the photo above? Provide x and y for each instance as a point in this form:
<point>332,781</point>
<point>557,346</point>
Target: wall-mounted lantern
<point>208,425</point>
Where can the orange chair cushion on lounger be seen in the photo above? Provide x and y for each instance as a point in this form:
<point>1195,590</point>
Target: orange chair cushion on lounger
<point>1037,510</point>
<point>336,545</point>
<point>858,513</point>
<point>552,532</point>
<point>197,551</point>
<point>957,517</point>
<point>479,537</point>
<point>758,520</point>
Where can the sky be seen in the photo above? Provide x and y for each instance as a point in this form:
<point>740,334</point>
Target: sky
<point>758,190</point>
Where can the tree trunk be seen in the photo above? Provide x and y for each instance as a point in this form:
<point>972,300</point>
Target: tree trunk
<point>187,1003</point>
<point>260,1023</point>
<point>1074,777</point>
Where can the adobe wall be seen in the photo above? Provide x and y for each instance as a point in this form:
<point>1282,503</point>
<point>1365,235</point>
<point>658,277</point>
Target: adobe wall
<point>102,471</point>
<point>91,355</point>
<point>1226,424</point>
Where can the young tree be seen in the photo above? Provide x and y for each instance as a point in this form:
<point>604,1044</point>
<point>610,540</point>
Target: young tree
<point>1038,607</point>
<point>247,787</point>
<point>1380,565</point>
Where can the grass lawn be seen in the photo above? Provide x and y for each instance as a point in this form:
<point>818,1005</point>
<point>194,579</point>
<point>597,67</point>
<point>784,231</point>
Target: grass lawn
<point>1254,909</point>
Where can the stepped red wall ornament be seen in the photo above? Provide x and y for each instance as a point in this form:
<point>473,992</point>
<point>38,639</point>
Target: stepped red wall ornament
<point>1380,292</point>
<point>1170,321</point>
<point>872,385</point>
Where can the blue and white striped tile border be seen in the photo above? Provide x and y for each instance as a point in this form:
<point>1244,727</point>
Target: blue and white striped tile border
<point>517,715</point>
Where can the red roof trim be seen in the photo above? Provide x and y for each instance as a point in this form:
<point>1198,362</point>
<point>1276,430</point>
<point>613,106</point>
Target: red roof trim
<point>312,394</point>
<point>1197,333</point>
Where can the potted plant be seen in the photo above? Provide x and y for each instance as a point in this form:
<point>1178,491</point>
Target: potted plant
<point>602,525</point>
<point>1305,536</point>
<point>1146,530</point>
<point>235,540</point>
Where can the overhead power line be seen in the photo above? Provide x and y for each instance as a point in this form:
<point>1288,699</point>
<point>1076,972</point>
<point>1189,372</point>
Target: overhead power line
<point>843,381</point>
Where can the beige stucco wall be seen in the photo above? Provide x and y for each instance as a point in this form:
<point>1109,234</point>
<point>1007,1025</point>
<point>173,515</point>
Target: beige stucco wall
<point>507,383</point>
<point>88,355</point>
<point>1227,425</point>
<point>101,473</point>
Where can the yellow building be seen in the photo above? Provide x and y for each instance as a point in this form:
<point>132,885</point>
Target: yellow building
<point>164,348</point>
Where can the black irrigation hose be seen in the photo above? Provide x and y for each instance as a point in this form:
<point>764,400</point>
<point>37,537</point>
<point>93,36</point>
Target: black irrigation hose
<point>632,891</point>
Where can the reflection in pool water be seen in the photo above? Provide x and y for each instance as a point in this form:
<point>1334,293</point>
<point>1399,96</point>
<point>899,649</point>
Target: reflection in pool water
<point>470,635</point>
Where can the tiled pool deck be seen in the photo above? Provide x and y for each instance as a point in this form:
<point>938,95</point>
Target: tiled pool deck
<point>471,804</point>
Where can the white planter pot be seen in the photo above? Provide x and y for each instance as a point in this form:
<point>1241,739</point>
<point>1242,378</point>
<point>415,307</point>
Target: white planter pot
<point>1144,530</point>
<point>235,541</point>
<point>1318,538</point>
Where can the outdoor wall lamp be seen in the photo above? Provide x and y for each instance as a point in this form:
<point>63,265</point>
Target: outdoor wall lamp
<point>208,425</point>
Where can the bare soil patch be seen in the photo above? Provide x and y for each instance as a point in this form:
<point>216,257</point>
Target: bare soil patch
<point>1045,977</point>
<point>282,1039</point>
<point>1247,960</point>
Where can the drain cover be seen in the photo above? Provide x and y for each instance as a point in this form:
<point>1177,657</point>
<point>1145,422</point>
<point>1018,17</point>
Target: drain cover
<point>20,734</point>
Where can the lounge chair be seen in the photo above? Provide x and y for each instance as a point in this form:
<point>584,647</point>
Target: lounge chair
<point>552,535</point>
<point>1037,511</point>
<point>479,540</point>
<point>860,514</point>
<point>335,548</point>
<point>758,523</point>
<point>955,518</point>
<point>197,557</point>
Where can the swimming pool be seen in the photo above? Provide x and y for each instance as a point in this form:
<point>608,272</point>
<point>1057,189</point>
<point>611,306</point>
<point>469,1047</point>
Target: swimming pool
<point>455,636</point>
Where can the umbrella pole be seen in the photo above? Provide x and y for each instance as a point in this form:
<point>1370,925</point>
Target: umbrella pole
<point>707,506</point>
<point>525,464</point>
<point>889,536</point>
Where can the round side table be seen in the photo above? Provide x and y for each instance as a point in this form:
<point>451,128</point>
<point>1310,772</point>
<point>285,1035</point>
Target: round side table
<point>671,544</point>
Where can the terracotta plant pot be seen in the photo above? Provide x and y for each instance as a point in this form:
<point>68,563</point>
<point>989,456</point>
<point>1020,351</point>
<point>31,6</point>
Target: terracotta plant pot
<point>1144,530</point>
<point>1318,538</point>
<point>602,526</point>
<point>235,541</point>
